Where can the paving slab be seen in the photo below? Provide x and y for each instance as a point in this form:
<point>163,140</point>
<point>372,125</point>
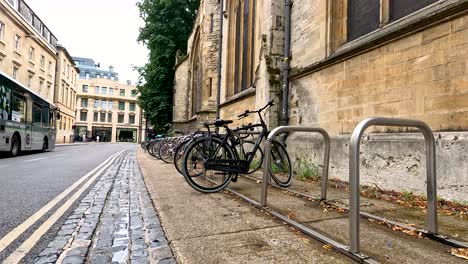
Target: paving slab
<point>216,228</point>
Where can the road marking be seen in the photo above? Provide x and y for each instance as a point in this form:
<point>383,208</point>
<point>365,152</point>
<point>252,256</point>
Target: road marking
<point>35,159</point>
<point>60,155</point>
<point>15,233</point>
<point>27,245</point>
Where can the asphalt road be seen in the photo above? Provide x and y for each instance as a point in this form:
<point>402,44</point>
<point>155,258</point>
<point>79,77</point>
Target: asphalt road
<point>30,181</point>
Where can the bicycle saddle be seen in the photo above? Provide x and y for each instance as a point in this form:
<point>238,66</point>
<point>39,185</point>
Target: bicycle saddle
<point>218,123</point>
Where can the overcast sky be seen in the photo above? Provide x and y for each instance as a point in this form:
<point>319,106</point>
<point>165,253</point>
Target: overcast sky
<point>104,30</point>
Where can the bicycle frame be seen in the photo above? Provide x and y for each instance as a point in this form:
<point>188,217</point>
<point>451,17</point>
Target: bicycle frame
<point>236,140</point>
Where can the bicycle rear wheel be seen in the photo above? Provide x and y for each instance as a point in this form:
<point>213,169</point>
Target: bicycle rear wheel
<point>150,149</point>
<point>166,151</point>
<point>179,154</point>
<point>280,169</point>
<point>193,165</point>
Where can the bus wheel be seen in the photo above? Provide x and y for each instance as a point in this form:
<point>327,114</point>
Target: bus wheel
<point>44,145</point>
<point>15,146</point>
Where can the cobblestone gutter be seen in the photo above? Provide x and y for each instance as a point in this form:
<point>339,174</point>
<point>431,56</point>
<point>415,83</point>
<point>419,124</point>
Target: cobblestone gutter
<point>114,223</point>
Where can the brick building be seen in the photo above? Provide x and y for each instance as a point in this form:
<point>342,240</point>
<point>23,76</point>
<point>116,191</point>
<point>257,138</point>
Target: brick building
<point>348,60</point>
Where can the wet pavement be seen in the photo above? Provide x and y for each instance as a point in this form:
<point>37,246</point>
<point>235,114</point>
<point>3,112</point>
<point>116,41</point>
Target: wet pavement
<point>114,223</point>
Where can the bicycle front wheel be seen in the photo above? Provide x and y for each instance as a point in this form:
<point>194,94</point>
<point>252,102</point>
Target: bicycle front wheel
<point>257,161</point>
<point>280,169</point>
<point>193,165</point>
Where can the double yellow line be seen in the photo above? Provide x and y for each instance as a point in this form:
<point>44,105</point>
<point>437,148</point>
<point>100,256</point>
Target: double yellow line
<point>29,243</point>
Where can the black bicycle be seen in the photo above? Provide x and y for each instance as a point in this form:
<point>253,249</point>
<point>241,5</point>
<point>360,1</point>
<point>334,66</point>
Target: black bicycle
<point>211,161</point>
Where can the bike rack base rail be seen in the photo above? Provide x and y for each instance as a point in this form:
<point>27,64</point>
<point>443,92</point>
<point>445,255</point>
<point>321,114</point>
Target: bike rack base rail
<point>431,229</point>
<point>360,258</point>
<point>267,157</point>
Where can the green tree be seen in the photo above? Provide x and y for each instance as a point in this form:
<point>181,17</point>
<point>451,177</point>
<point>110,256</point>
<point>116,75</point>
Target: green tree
<point>167,26</point>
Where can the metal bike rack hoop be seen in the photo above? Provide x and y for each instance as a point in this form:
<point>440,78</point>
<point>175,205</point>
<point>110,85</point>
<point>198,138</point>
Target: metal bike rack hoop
<point>354,173</point>
<point>267,159</point>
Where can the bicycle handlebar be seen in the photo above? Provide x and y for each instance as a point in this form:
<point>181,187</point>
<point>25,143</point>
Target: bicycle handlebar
<point>248,112</point>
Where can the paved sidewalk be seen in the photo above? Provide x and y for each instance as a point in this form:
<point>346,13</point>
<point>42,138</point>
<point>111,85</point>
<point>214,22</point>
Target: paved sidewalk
<point>218,228</point>
<point>114,223</point>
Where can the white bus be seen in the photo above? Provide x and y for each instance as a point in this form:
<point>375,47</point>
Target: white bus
<point>27,121</point>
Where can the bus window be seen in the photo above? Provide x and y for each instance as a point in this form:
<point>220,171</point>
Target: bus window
<point>51,119</point>
<point>37,115</point>
<point>18,108</point>
<point>5,102</point>
<point>45,117</point>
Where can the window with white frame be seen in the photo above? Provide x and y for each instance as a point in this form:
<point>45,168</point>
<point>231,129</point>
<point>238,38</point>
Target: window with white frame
<point>104,104</point>
<point>2,30</point>
<point>42,63</point>
<point>14,72</point>
<point>17,44</point>
<point>31,53</point>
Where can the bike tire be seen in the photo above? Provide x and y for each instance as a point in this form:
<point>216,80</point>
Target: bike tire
<point>150,149</point>
<point>257,162</point>
<point>178,155</point>
<point>156,148</point>
<point>280,169</point>
<point>165,152</point>
<point>197,152</point>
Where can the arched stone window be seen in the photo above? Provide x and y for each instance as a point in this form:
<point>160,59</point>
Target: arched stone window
<point>241,45</point>
<point>197,76</point>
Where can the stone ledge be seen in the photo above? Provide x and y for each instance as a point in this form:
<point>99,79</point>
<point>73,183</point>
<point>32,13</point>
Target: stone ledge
<point>239,96</point>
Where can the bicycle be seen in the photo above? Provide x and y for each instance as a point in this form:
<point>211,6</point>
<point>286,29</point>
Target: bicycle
<point>212,161</point>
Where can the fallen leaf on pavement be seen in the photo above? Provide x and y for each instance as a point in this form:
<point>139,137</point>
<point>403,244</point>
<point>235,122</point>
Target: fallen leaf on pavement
<point>327,247</point>
<point>460,252</point>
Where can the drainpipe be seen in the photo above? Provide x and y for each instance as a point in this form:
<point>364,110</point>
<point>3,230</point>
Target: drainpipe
<point>220,54</point>
<point>285,66</point>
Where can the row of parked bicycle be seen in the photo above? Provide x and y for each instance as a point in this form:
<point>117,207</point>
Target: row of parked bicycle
<point>210,160</point>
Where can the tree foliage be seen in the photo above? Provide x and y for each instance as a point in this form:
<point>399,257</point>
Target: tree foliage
<point>167,26</point>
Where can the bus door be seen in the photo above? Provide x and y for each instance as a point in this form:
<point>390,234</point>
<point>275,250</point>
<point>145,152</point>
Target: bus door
<point>19,117</point>
<point>38,132</point>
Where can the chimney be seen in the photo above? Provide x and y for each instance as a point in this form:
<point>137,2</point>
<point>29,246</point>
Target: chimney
<point>129,82</point>
<point>111,68</point>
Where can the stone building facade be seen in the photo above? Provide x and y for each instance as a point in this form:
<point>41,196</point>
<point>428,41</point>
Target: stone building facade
<point>105,107</point>
<point>27,48</point>
<point>65,95</point>
<point>350,60</point>
<point>196,74</point>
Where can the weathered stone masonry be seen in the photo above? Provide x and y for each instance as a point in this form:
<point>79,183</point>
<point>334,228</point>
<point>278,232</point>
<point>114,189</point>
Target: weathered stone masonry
<point>414,66</point>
